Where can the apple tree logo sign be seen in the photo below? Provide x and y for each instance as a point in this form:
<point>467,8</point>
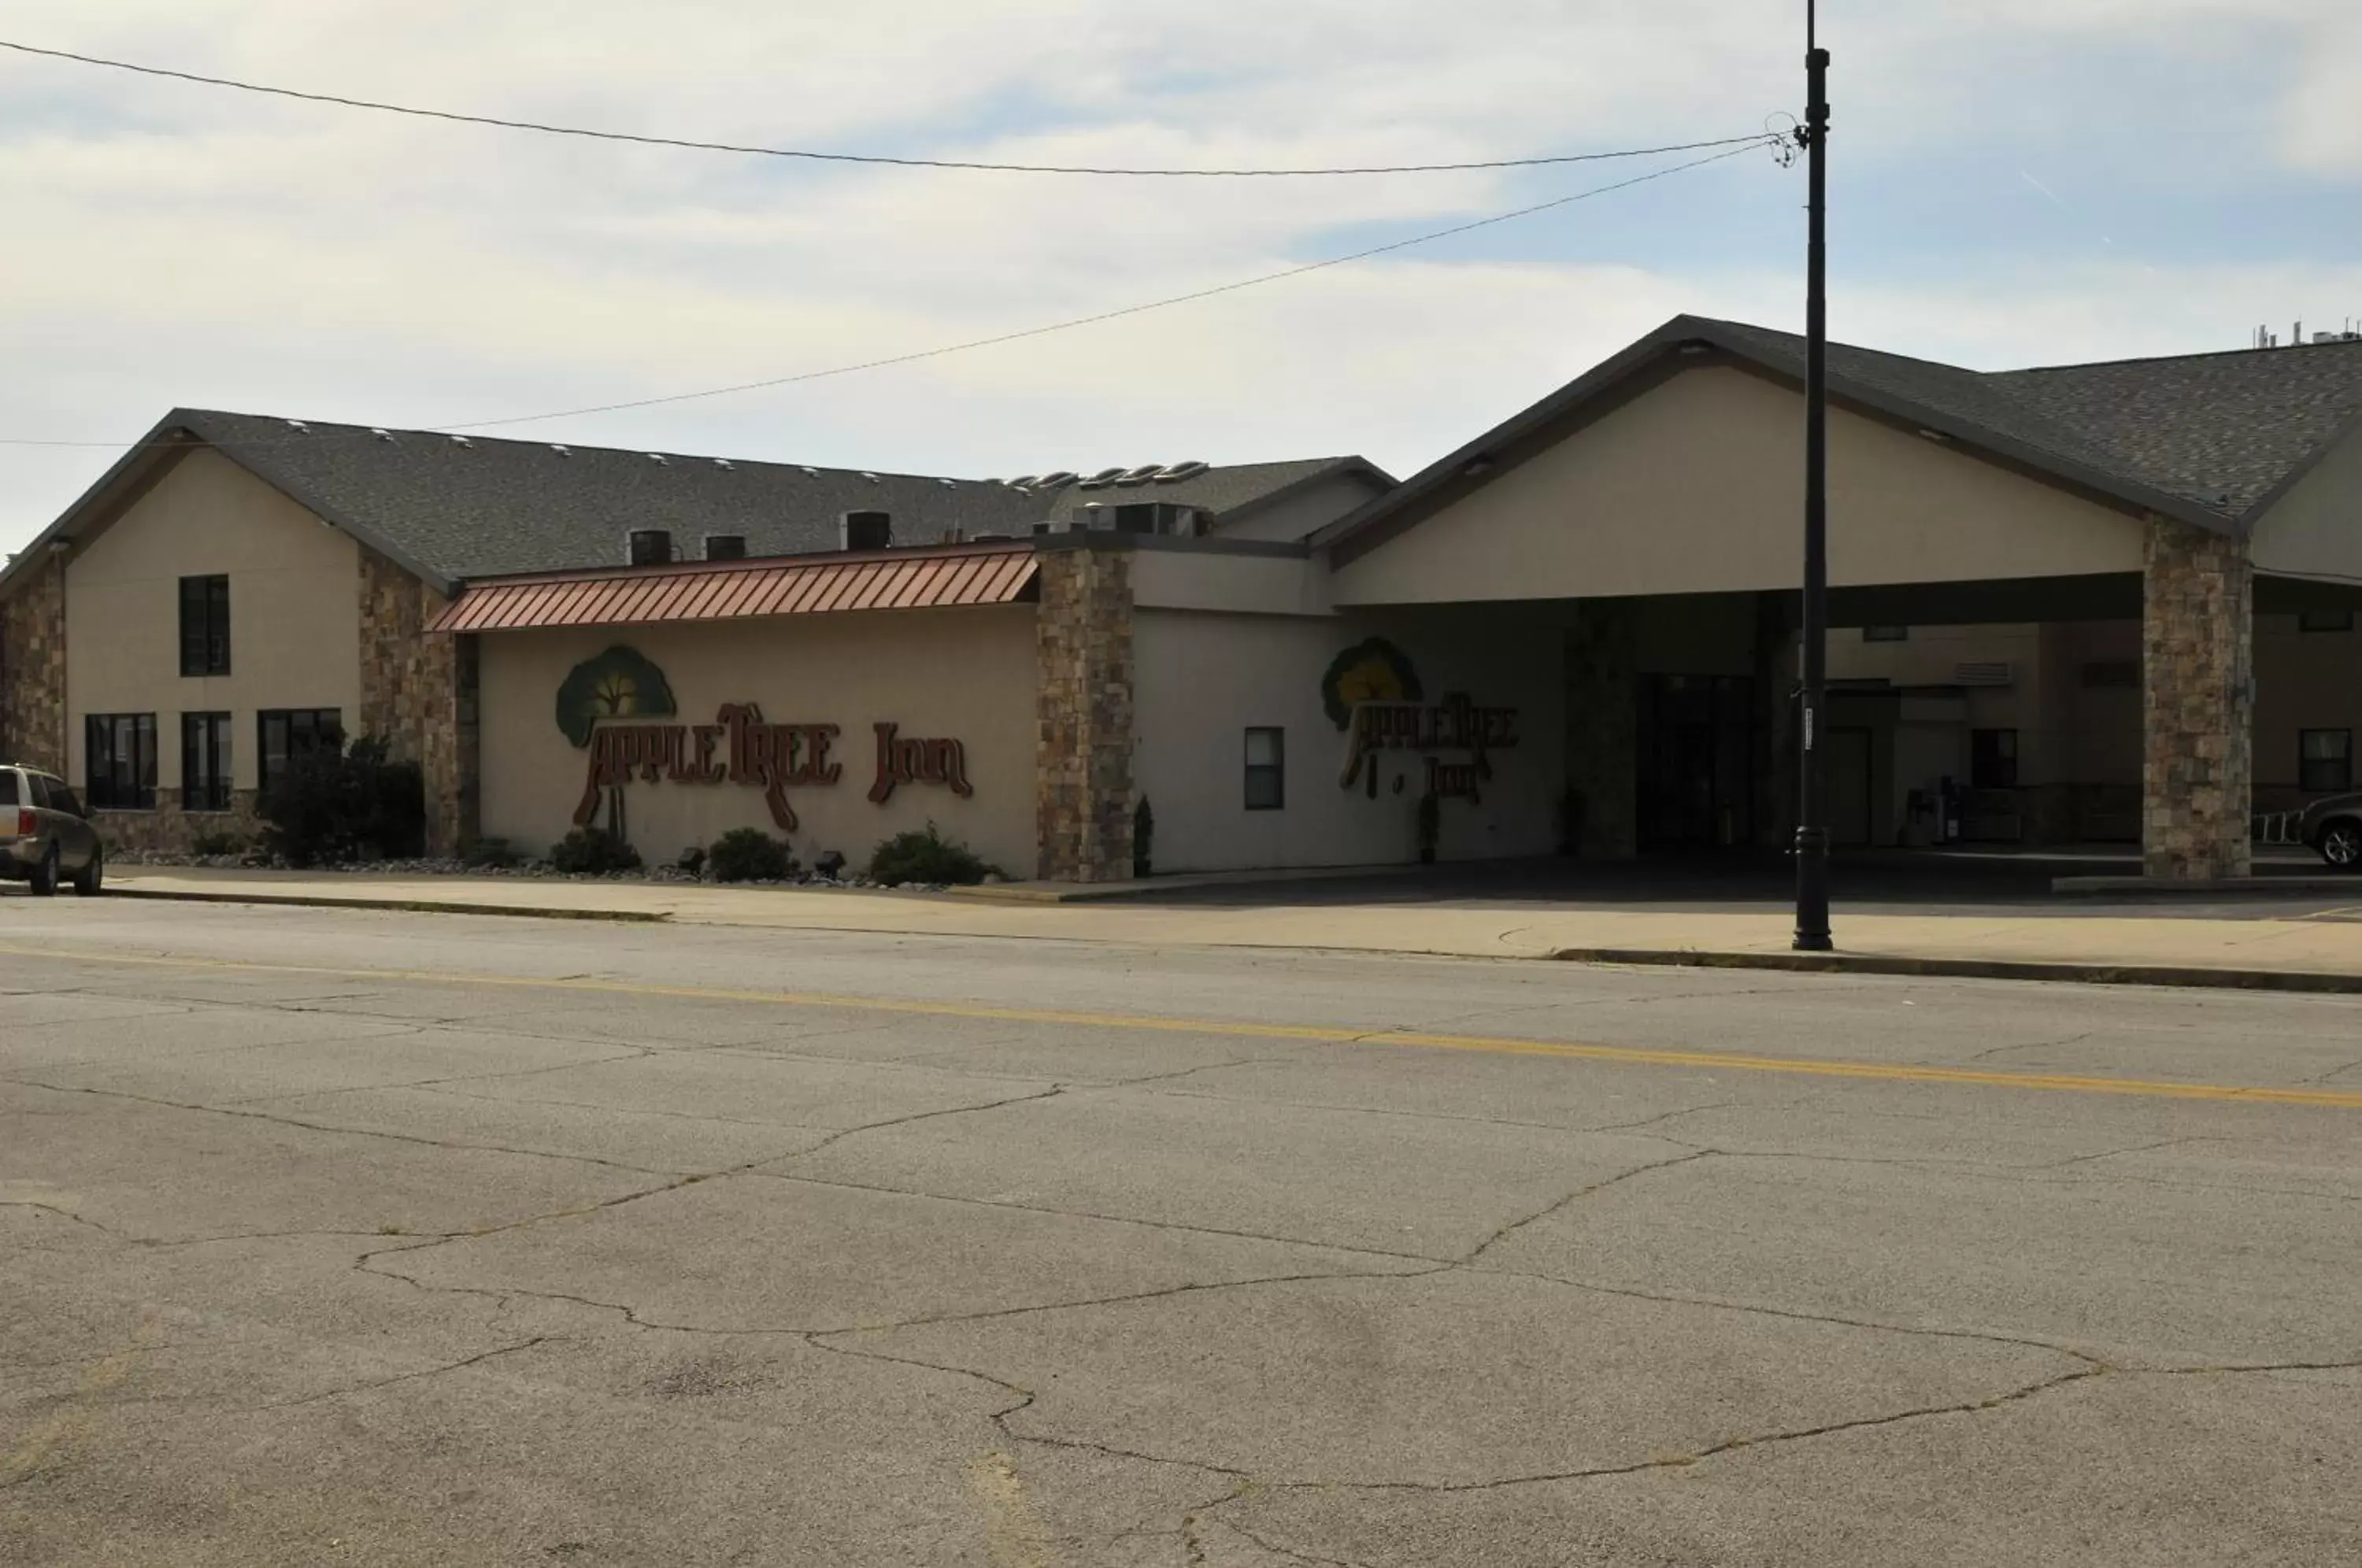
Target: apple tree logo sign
<point>1371,692</point>
<point>603,708</point>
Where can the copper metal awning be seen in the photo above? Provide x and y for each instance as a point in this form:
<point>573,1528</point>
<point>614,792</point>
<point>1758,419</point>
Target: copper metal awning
<point>734,591</point>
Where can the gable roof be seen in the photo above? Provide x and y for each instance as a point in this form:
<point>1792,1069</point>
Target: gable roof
<point>2207,440</point>
<point>453,508</point>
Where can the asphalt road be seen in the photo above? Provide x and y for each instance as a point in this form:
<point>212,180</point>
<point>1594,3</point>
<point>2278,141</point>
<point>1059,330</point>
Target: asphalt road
<point>334,1238</point>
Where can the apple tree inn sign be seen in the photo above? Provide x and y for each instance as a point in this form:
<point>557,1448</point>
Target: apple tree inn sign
<point>1372,693</point>
<point>605,708</point>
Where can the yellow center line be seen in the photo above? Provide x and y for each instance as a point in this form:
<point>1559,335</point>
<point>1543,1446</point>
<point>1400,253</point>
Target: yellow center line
<point>1886,1072</point>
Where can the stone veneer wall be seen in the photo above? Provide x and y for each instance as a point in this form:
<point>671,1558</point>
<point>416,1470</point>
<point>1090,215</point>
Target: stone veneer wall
<point>418,695</point>
<point>1083,784</point>
<point>33,670</point>
<point>169,828</point>
<point>2197,702</point>
<point>1603,729</point>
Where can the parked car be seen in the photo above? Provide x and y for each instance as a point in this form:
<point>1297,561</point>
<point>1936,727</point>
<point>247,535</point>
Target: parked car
<point>45,834</point>
<point>2333,826</point>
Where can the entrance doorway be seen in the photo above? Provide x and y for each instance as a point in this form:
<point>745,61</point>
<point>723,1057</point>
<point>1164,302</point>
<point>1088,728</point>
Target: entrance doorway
<point>1696,761</point>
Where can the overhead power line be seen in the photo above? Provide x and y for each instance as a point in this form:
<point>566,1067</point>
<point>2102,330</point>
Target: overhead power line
<point>690,144</point>
<point>1142,309</point>
<point>1765,140</point>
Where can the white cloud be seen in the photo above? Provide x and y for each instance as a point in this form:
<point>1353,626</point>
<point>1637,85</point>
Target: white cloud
<point>172,244</point>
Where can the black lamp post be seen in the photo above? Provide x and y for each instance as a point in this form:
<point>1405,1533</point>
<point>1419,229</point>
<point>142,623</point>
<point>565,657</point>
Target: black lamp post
<point>1812,814</point>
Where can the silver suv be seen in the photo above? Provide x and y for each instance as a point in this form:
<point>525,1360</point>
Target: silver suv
<point>45,833</point>
<point>2334,827</point>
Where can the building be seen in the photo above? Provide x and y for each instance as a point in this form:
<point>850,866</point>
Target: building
<point>1577,631</point>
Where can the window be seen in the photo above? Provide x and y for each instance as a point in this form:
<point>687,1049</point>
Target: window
<point>55,794</point>
<point>205,762</point>
<point>204,626</point>
<point>1993,759</point>
<point>9,788</point>
<point>285,733</point>
<point>119,761</point>
<point>868,531</point>
<point>2325,761</point>
<point>2119,674</point>
<point>1266,769</point>
<point>1886,634</point>
<point>2325,620</point>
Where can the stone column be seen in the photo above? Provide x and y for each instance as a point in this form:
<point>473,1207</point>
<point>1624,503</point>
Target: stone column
<point>1083,787</point>
<point>33,669</point>
<point>1602,721</point>
<point>418,695</point>
<point>2197,702</point>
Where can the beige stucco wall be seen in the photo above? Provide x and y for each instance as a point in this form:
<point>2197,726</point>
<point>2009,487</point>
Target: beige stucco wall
<point>963,674</point>
<point>1247,584</point>
<point>1307,511</point>
<point>1697,486</point>
<point>2304,681</point>
<point>2316,530</point>
<point>294,606</point>
<point>1202,680</point>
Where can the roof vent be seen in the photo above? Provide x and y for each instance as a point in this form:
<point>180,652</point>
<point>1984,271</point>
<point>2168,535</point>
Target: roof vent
<point>299,424</point>
<point>1053,482</point>
<point>809,471</point>
<point>1023,482</point>
<point>948,484</point>
<point>870,477</point>
<point>461,441</point>
<point>381,432</point>
<point>865,531</point>
<point>561,451</point>
<point>725,546</point>
<point>1141,475</point>
<point>648,546</point>
<point>1180,471</point>
<point>725,465</point>
<point>1100,480</point>
<point>659,459</point>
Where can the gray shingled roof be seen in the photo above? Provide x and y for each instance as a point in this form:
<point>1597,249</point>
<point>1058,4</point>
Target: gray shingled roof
<point>2221,430</point>
<point>455,509</point>
<point>2208,439</point>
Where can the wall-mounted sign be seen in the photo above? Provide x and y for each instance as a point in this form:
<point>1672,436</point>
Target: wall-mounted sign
<point>901,761</point>
<point>602,695</point>
<point>1372,693</point>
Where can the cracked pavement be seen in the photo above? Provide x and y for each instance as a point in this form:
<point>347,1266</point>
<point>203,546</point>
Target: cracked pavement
<point>575,1243</point>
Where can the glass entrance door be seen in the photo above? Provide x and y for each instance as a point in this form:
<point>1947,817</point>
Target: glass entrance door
<point>1696,761</point>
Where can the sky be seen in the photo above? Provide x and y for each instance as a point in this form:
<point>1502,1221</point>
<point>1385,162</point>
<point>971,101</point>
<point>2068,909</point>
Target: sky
<point>2013,183</point>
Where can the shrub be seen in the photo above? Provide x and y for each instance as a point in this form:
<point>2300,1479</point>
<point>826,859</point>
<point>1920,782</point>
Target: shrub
<point>1144,839</point>
<point>692,860</point>
<point>749,855</point>
<point>1430,826</point>
<point>490,855</point>
<point>592,852</point>
<point>216,842</point>
<point>927,857</point>
<point>329,808</point>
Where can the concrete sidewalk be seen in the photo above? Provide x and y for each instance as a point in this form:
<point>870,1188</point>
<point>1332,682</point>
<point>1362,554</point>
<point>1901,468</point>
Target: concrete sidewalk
<point>2315,949</point>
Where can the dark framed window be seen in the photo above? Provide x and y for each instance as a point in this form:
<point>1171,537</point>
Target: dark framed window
<point>1993,759</point>
<point>2324,621</point>
<point>119,761</point>
<point>9,793</point>
<point>204,626</point>
<point>2324,761</point>
<point>1266,769</point>
<point>1886,634</point>
<point>205,762</point>
<point>281,735</point>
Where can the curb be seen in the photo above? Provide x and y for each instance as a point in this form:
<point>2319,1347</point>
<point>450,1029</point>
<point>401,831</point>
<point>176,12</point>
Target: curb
<point>405,906</point>
<point>2191,975</point>
<point>2209,888</point>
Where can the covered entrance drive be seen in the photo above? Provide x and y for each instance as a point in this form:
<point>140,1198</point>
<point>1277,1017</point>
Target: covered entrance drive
<point>2127,523</point>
